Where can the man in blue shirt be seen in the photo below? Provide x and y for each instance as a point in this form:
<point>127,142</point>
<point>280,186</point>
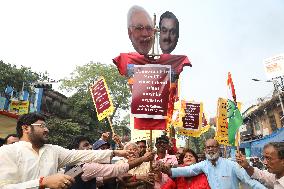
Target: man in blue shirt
<point>221,173</point>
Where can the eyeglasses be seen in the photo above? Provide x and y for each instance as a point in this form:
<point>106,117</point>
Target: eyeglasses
<point>140,28</point>
<point>41,125</point>
<point>267,159</point>
<point>213,147</point>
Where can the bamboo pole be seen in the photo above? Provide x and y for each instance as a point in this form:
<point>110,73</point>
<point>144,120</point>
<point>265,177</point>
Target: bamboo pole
<point>110,123</point>
<point>151,148</point>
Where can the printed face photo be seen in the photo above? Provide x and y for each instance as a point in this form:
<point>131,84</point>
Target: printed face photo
<point>169,32</point>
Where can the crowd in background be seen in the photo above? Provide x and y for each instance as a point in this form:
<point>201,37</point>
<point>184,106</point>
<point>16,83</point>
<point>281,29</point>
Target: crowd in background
<point>27,161</point>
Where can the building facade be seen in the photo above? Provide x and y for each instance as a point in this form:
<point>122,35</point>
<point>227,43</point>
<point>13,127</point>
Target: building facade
<point>262,122</point>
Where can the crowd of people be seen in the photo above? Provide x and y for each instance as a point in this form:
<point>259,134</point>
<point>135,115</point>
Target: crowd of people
<point>27,161</point>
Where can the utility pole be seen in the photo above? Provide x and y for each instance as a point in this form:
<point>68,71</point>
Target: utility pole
<point>276,87</point>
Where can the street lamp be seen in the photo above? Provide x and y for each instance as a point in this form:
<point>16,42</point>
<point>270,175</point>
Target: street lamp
<point>276,87</point>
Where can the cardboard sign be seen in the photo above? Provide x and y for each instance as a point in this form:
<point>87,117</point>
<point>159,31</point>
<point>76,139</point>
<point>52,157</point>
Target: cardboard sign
<point>274,66</point>
<point>150,91</point>
<point>192,121</point>
<point>101,99</point>
<point>193,117</point>
<point>222,123</point>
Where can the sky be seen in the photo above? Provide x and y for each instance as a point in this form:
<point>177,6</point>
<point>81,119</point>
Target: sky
<point>218,36</point>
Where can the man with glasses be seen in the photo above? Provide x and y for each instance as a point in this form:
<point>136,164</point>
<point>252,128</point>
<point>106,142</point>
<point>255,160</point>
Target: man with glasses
<point>221,173</point>
<point>140,29</point>
<point>273,159</point>
<point>31,163</point>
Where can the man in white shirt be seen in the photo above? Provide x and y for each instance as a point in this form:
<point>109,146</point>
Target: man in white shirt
<point>273,154</point>
<point>30,163</point>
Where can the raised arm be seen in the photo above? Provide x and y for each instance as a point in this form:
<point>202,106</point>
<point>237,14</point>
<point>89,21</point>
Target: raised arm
<point>241,159</point>
<point>72,157</point>
<point>92,170</point>
<point>187,171</point>
<point>245,178</point>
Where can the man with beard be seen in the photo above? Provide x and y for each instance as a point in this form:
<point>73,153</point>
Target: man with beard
<point>273,177</point>
<point>169,32</point>
<point>140,29</point>
<point>30,163</point>
<point>221,173</point>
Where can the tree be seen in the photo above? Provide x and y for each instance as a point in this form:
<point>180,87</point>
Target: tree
<point>16,77</point>
<point>84,111</point>
<point>62,131</point>
<point>198,143</point>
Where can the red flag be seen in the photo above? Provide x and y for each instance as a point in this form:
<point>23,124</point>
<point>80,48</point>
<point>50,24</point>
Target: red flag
<point>231,87</point>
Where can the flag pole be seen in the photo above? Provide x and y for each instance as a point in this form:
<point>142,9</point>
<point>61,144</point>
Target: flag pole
<point>238,141</point>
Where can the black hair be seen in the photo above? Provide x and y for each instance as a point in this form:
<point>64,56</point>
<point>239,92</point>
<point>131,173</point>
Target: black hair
<point>28,119</point>
<point>181,157</point>
<point>8,136</point>
<point>1,142</point>
<point>279,147</point>
<point>163,138</point>
<point>76,141</point>
<point>144,141</point>
<point>170,15</point>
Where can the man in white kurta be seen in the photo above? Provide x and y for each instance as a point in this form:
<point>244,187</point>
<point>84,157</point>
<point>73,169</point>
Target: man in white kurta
<point>30,163</point>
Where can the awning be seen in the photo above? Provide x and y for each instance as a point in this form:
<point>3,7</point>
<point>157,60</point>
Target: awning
<point>245,144</point>
<point>257,145</point>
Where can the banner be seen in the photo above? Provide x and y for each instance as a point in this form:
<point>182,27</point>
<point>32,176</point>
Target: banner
<point>222,123</point>
<point>224,114</point>
<point>192,121</point>
<point>101,99</point>
<point>150,91</point>
<point>20,107</point>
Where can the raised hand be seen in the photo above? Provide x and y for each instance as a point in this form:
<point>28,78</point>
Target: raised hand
<point>149,156</point>
<point>241,160</point>
<point>164,168</point>
<point>116,138</point>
